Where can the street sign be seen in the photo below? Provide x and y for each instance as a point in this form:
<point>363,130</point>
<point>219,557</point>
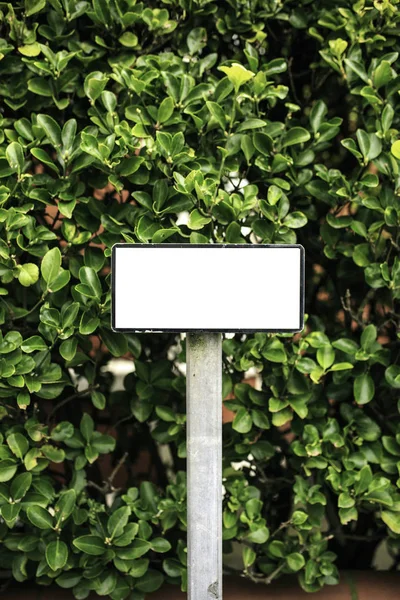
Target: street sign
<point>205,290</point>
<point>208,288</point>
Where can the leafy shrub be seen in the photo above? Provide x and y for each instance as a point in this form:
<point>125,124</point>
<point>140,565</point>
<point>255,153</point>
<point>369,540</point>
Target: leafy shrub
<point>197,121</point>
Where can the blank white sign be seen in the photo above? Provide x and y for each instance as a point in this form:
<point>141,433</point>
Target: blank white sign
<point>214,287</point>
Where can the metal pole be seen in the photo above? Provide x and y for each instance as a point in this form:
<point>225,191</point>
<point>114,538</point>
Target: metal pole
<point>204,465</point>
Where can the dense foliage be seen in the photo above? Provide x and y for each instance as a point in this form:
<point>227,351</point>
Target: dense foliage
<point>197,121</point>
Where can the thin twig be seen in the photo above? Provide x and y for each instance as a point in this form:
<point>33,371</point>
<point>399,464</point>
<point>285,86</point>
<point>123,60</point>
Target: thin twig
<point>69,399</point>
<point>117,468</point>
<point>292,86</point>
<point>107,486</point>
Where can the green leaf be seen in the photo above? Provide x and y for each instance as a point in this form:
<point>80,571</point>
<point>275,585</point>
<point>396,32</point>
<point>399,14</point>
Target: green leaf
<point>364,480</point>
<point>317,114</point>
<point>346,345</point>
<point>364,388</point>
<point>129,39</point>
<point>15,157</point>
<point>196,39</point>
<point>253,508</point>
<point>88,323</point>
<point>20,485</point>
<point>263,143</point>
<point>28,274</point>
<point>357,68</point>
<point>129,166</point>
<point>139,567</point>
<point>68,135</point>
<point>65,506</point>
<point>51,265</point>
<point>165,110</point>
<point>115,342</point>
<point>51,129</point>
<point>40,86</point>
<point>295,561</point>
<point>102,10</point>
<point>392,520</point>
<point>249,556</point>
<point>258,535</point>
<point>251,124</point>
<point>18,444</point>
<point>33,343</point>
<point>98,400</point>
<point>387,117</point>
<point>90,544</point>
<point>141,410</point>
<point>295,220</point>
<point>91,285</point>
<point>138,549</point>
<point>352,147</point>
<point>395,149</point>
<point>296,135</point>
<point>274,194</point>
<point>345,500</point>
<point>299,517</point>
<point>33,6</point>
<point>237,75</point>
<point>39,517</point>
<point>96,81</point>
<point>343,366</point>
<point>103,444</point>
<point>8,468</point>
<point>63,431</point>
<point>44,158</point>
<point>325,356</point>
<point>150,582</point>
<point>197,220</point>
<point>160,194</point>
<point>69,579</point>
<point>382,74</point>
<point>260,419</point>
<point>60,281</point>
<point>368,337</point>
<point>392,376</point>
<point>242,421</point>
<point>86,427</point>
<point>68,348</point>
<point>56,555</point>
<point>117,521</point>
<point>218,114</point>
<point>160,545</point>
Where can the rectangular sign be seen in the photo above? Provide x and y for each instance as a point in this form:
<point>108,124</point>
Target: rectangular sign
<point>210,287</point>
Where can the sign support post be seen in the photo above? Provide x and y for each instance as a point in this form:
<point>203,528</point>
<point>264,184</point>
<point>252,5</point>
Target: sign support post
<point>204,465</point>
<point>272,302</point>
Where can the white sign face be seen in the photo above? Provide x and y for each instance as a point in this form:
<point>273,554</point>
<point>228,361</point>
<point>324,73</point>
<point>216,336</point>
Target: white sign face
<point>210,287</point>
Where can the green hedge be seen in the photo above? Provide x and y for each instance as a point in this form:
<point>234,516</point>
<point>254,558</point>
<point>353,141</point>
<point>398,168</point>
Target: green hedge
<point>252,121</point>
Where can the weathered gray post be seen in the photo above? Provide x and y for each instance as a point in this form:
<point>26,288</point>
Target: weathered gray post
<point>204,465</point>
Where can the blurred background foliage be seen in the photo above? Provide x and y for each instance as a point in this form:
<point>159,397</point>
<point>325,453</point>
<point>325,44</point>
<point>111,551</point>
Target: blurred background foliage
<point>196,121</point>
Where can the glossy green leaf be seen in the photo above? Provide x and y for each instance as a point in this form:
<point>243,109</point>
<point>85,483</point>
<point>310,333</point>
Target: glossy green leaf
<point>15,157</point>
<point>51,264</point>
<point>40,517</point>
<point>364,389</point>
<point>28,274</point>
<point>56,555</point>
<point>90,544</point>
<point>51,129</point>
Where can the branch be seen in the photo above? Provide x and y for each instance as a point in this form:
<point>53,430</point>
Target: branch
<point>69,399</point>
<point>107,486</point>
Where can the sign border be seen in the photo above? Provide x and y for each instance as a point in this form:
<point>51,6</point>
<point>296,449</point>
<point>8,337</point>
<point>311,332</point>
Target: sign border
<point>213,246</point>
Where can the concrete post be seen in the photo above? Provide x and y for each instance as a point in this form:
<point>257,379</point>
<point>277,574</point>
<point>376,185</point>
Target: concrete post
<point>204,465</point>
